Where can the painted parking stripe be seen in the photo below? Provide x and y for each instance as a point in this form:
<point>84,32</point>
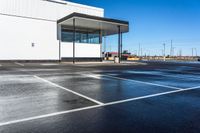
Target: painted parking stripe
<point>95,76</point>
<point>185,72</point>
<point>20,64</point>
<point>0,65</point>
<point>35,70</point>
<point>95,106</point>
<point>152,95</point>
<point>49,64</point>
<point>76,93</point>
<point>58,74</point>
<point>137,81</point>
<point>180,77</point>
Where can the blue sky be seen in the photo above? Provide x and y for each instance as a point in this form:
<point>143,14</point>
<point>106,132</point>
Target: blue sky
<point>154,22</point>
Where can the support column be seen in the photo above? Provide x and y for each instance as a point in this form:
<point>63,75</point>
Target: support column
<point>119,43</point>
<point>59,30</point>
<point>121,47</point>
<point>100,41</point>
<point>74,39</point>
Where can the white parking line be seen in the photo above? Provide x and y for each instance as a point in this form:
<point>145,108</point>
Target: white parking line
<point>169,75</point>
<point>148,83</point>
<point>152,95</point>
<point>59,74</point>
<point>95,106</point>
<point>49,64</point>
<point>0,65</point>
<point>95,76</point>
<point>20,64</point>
<point>185,72</point>
<point>35,70</point>
<point>76,93</point>
<point>47,115</point>
<point>180,77</point>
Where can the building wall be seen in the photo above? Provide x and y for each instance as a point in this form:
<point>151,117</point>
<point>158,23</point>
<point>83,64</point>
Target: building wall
<point>24,23</point>
<point>81,50</point>
<point>18,34</point>
<point>42,9</point>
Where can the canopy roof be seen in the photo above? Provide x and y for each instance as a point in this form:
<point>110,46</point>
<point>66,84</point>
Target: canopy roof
<point>106,25</point>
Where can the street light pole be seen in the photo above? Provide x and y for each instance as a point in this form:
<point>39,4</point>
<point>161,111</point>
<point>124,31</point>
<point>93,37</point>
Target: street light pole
<point>192,53</point>
<point>164,56</point>
<point>171,50</point>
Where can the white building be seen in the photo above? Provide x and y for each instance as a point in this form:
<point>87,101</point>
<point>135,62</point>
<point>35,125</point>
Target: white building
<point>54,30</point>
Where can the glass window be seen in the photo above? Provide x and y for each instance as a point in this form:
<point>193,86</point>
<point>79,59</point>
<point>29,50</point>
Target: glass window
<point>67,36</point>
<point>81,36</point>
<point>94,38</point>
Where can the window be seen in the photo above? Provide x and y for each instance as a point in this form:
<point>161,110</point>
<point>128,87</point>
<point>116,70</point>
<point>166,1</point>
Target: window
<point>67,36</point>
<point>92,37</point>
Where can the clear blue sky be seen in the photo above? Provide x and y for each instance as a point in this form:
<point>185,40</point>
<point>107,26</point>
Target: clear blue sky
<point>154,22</point>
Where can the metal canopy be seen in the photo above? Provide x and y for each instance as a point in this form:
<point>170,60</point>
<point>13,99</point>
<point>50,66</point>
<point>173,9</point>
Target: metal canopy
<point>105,25</point>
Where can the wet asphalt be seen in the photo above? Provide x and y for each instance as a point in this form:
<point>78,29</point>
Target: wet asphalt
<point>23,96</point>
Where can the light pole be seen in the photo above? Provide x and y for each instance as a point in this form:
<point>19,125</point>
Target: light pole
<point>196,52</point>
<point>192,52</point>
<point>164,56</point>
<point>139,51</point>
<point>171,50</point>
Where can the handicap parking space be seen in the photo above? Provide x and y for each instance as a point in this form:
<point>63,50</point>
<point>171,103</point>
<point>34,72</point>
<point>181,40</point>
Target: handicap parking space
<point>158,77</point>
<point>173,113</point>
<point>25,96</point>
<point>102,88</point>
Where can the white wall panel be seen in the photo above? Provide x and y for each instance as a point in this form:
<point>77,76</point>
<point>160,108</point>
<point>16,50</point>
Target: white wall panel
<point>44,9</point>
<point>18,34</point>
<point>81,50</point>
<point>23,22</point>
<point>66,50</point>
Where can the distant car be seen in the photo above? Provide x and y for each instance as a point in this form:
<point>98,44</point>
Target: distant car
<point>199,59</point>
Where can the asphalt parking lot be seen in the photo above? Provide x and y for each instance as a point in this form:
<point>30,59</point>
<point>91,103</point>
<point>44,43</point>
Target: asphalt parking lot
<point>99,98</point>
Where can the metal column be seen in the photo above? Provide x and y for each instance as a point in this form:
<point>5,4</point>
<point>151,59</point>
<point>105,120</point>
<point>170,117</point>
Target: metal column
<point>121,46</point>
<point>119,43</point>
<point>59,30</point>
<point>100,41</point>
<point>74,39</point>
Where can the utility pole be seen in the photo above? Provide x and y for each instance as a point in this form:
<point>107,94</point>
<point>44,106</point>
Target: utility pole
<point>196,52</point>
<point>164,56</point>
<point>180,54</point>
<point>192,52</point>
<point>171,50</point>
<point>139,51</point>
